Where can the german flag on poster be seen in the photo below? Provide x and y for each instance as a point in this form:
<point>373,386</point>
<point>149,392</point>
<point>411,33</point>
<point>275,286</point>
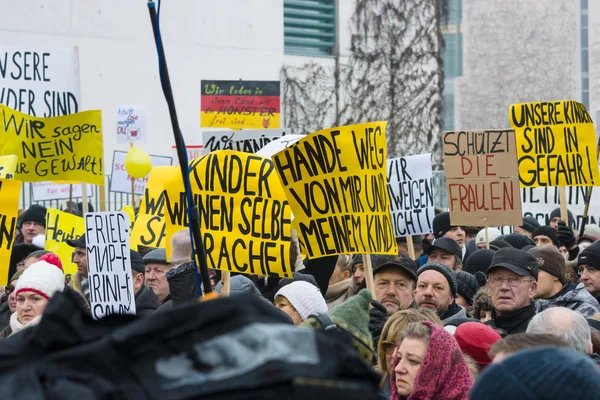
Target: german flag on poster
<point>239,104</point>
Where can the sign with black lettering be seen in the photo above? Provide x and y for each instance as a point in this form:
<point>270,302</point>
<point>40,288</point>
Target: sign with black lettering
<point>335,181</point>
<point>10,192</point>
<point>245,219</point>
<point>120,180</point>
<point>482,178</point>
<point>40,82</point>
<point>60,227</point>
<point>109,263</point>
<point>556,144</point>
<point>248,141</point>
<point>410,186</point>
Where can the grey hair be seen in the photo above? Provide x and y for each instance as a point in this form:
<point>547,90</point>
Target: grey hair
<point>182,247</point>
<point>345,262</point>
<point>564,323</point>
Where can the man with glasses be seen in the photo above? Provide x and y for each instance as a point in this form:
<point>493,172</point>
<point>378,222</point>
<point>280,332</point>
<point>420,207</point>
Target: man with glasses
<point>512,283</point>
<point>33,223</point>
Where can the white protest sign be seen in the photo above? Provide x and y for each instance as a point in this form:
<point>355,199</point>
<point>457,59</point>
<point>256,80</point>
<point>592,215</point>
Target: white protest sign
<point>248,141</point>
<point>120,181</point>
<point>131,124</point>
<point>410,186</point>
<point>193,151</point>
<point>278,145</point>
<point>39,81</point>
<point>58,191</point>
<point>109,263</point>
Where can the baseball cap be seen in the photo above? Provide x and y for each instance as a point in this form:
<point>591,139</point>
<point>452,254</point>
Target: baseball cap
<point>402,262</point>
<point>518,261</point>
<point>79,242</point>
<point>446,244</point>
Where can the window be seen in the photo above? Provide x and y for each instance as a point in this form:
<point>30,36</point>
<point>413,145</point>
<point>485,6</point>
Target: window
<point>309,27</point>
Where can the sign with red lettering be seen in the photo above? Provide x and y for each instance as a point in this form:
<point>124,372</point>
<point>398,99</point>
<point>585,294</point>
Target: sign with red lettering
<point>120,181</point>
<point>131,124</point>
<point>482,178</point>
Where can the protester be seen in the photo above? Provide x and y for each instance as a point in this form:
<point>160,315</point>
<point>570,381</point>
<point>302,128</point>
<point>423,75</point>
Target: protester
<point>530,224</point>
<point>33,291</point>
<point>478,263</point>
<point>10,305</point>
<point>591,233</point>
<point>555,218</point>
<point>403,245</point>
<point>545,236</point>
<point>482,305</point>
<point>443,228</point>
<point>553,289</point>
<point>394,278</point>
<point>145,300</point>
<point>541,373</point>
<point>181,247</point>
<point>466,287</point>
<point>428,364</point>
<point>238,284</point>
<point>341,285</point>
<point>390,337</point>
<point>156,267</point>
<point>80,279</point>
<point>499,244</point>
<point>522,341</point>
<point>512,282</point>
<point>358,268</point>
<point>299,300</point>
<point>517,240</point>
<point>445,251</point>
<point>33,223</point>
<point>566,324</point>
<point>436,289</point>
<point>588,267</point>
<point>475,340</point>
<point>492,234</point>
<point>18,256</point>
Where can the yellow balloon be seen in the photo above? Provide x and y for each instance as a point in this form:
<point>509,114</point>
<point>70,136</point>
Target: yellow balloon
<point>137,163</point>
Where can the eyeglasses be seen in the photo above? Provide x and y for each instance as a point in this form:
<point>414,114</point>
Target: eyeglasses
<point>388,347</point>
<point>512,281</point>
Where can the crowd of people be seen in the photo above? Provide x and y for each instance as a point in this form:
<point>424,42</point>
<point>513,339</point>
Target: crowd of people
<point>477,314</point>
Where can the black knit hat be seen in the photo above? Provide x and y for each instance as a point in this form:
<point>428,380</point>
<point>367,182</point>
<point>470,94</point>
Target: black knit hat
<point>530,224</point>
<point>480,260</point>
<point>547,231</point>
<point>590,255</point>
<point>557,214</point>
<point>441,224</point>
<point>498,244</point>
<point>444,270</point>
<point>518,240</point>
<point>137,262</point>
<point>35,213</point>
<point>466,285</point>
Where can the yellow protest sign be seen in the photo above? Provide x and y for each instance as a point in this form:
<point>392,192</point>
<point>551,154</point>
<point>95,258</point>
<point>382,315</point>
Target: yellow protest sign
<point>60,227</point>
<point>245,220</point>
<point>57,148</point>
<point>8,166</point>
<point>556,144</point>
<point>10,191</point>
<point>149,227</point>
<point>335,181</point>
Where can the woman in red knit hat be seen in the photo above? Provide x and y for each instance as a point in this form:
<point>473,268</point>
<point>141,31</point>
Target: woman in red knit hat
<point>475,340</point>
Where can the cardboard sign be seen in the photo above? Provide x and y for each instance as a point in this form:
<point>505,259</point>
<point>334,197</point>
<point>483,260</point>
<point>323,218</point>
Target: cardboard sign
<point>149,227</point>
<point>248,141</point>
<point>278,145</point>
<point>60,227</point>
<point>556,144</point>
<point>240,104</point>
<point>10,192</point>
<point>48,190</point>
<point>59,148</point>
<point>335,181</point>
<point>131,124</point>
<point>41,82</point>
<point>482,178</point>
<point>410,186</point>
<point>8,166</point>
<point>120,181</point>
<point>245,220</point>
<point>109,263</point>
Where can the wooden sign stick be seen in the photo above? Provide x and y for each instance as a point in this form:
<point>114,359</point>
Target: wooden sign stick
<point>84,199</point>
<point>564,214</point>
<point>226,281</point>
<point>411,247</point>
<point>487,238</point>
<point>369,273</point>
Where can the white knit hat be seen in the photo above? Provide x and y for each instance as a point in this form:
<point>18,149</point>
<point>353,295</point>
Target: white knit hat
<point>305,297</point>
<point>44,277</point>
<point>493,234</point>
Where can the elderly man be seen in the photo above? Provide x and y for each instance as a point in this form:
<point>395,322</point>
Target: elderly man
<point>394,278</point>
<point>33,223</point>
<point>512,283</point>
<point>566,324</point>
<point>156,267</point>
<point>145,300</point>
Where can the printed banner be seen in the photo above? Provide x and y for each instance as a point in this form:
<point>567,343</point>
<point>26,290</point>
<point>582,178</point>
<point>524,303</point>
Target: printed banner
<point>41,82</point>
<point>240,104</point>
<point>10,192</point>
<point>8,166</point>
<point>59,148</point>
<point>245,220</point>
<point>48,190</point>
<point>410,186</point>
<point>248,141</point>
<point>131,124</point>
<point>120,181</point>
<point>556,144</point>
<point>482,178</point>
<point>60,227</point>
<point>109,263</point>
<point>335,181</point>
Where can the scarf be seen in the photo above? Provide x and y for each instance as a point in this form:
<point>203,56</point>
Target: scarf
<point>17,326</point>
<point>443,375</point>
<point>514,319</point>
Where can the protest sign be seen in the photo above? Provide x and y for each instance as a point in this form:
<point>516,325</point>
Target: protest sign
<point>149,227</point>
<point>8,166</point>
<point>245,220</point>
<point>60,227</point>
<point>482,178</point>
<point>193,152</point>
<point>41,82</point>
<point>10,191</point>
<point>48,190</point>
<point>59,148</point>
<point>248,141</point>
<point>131,124</point>
<point>278,145</point>
<point>556,144</point>
<point>120,181</point>
<point>109,263</point>
<point>410,186</point>
<point>335,182</point>
<point>239,104</point>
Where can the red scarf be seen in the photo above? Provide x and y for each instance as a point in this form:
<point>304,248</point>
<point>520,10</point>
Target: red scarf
<point>443,375</point>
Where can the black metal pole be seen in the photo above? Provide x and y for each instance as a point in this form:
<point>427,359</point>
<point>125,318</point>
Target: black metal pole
<point>181,152</point>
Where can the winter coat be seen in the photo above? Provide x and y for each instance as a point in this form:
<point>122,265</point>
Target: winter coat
<point>339,292</point>
<point>4,315</point>
<point>573,296</point>
<point>145,302</point>
<point>6,332</point>
<point>512,322</point>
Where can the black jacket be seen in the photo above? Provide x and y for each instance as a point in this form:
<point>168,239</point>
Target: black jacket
<point>145,302</point>
<point>4,315</point>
